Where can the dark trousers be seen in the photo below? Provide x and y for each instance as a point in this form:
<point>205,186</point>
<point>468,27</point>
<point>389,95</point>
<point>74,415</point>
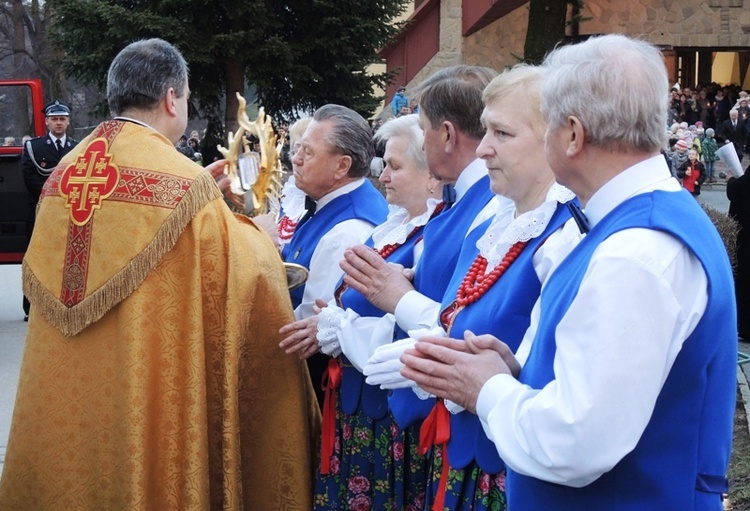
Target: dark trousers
<point>317,365</point>
<point>30,220</point>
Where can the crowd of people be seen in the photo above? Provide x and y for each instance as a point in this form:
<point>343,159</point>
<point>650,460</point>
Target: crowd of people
<point>535,316</point>
<point>702,120</point>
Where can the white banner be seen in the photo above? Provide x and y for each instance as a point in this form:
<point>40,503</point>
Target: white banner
<point>729,156</point>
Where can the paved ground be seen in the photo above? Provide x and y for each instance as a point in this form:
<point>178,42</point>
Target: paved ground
<point>12,335</point>
<point>13,331</point>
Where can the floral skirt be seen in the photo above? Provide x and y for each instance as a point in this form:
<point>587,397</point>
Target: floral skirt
<point>468,489</point>
<point>374,466</point>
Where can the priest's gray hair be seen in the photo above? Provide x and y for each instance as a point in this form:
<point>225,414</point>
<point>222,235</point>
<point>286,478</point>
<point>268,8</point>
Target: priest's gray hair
<point>142,73</point>
<point>406,126</point>
<point>615,86</point>
<point>350,135</point>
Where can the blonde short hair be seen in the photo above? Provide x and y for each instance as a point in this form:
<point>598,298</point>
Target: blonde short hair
<point>522,83</point>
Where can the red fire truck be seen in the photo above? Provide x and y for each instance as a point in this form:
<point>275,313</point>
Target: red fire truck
<point>21,116</point>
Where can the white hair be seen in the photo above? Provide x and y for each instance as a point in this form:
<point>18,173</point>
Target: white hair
<point>406,126</point>
<point>615,86</point>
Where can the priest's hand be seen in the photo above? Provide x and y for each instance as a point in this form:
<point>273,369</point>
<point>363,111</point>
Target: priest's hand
<point>382,283</point>
<point>216,169</point>
<point>300,337</point>
<point>457,370</point>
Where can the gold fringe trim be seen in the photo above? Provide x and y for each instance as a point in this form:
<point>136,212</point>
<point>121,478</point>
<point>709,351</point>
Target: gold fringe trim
<point>72,320</point>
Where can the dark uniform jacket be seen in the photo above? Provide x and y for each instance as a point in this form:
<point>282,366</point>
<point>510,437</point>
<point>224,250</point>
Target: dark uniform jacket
<point>40,157</point>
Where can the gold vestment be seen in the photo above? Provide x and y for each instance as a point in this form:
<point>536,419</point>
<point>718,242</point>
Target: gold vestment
<point>152,377</point>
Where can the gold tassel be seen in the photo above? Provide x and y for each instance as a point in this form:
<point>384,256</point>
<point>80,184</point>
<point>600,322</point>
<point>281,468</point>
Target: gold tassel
<point>71,320</point>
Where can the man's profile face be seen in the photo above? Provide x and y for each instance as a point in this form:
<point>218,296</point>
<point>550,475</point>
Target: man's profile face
<point>433,145</point>
<point>57,124</point>
<point>316,161</point>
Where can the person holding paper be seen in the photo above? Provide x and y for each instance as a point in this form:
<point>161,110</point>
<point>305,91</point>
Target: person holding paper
<point>738,193</point>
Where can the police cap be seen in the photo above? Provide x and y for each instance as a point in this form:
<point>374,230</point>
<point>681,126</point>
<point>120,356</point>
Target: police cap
<point>56,108</point>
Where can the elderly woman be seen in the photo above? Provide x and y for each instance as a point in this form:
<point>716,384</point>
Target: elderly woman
<point>366,461</point>
<point>495,285</point>
<point>292,198</point>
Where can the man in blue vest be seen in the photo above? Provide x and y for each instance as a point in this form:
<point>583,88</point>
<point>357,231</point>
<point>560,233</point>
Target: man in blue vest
<point>343,207</point>
<point>622,396</point>
<point>450,108</point>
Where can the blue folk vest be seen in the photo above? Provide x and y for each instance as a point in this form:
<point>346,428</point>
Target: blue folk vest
<point>443,238</point>
<point>354,392</point>
<point>504,311</point>
<point>363,203</point>
<point>680,460</point>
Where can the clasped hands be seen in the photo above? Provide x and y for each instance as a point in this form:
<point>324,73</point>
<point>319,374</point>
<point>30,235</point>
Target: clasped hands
<point>449,368</point>
<point>381,282</point>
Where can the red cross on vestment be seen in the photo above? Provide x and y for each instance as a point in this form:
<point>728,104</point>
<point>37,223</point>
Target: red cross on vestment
<point>88,181</point>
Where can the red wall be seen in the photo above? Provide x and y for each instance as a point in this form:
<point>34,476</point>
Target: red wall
<point>416,45</point>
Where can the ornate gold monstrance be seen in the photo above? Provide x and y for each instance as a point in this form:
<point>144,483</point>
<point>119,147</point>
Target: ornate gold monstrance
<point>257,174</point>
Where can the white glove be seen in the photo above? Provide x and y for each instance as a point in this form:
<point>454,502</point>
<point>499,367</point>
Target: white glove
<point>384,366</point>
<point>361,336</point>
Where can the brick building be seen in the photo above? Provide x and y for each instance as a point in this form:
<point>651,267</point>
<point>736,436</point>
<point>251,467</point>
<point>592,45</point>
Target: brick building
<point>702,40</point>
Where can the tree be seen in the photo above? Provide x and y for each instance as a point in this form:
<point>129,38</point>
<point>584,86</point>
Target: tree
<point>547,22</point>
<point>24,48</point>
<point>299,54</point>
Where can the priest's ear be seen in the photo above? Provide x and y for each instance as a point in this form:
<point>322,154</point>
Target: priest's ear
<point>170,102</point>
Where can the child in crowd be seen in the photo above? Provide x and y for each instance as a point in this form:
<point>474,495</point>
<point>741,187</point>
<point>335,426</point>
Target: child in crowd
<point>708,154</point>
<point>692,173</point>
<point>677,155</point>
<point>698,141</point>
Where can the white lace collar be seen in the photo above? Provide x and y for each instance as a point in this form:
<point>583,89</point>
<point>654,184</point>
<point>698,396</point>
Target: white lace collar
<point>397,227</point>
<point>501,235</point>
<point>292,200</point>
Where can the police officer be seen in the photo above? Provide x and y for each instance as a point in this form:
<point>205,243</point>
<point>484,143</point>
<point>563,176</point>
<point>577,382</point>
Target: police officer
<point>40,157</point>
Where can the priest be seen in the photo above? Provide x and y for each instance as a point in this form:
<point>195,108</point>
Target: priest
<point>152,377</point>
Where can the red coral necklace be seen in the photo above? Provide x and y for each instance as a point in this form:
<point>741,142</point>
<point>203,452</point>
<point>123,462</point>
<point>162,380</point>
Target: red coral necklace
<point>476,283</point>
<point>286,228</point>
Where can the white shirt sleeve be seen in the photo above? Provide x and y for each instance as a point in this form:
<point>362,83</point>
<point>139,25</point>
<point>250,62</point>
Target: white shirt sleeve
<point>325,272</point>
<point>415,311</point>
<point>641,297</point>
<point>359,336</point>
